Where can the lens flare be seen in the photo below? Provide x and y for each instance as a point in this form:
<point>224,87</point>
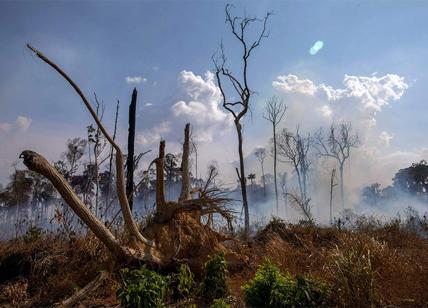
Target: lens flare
<point>316,47</point>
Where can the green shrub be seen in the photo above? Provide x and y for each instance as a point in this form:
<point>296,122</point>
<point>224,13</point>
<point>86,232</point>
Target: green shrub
<point>219,303</point>
<point>142,288</point>
<point>214,282</point>
<point>268,287</point>
<point>271,288</point>
<point>182,283</point>
<point>310,292</point>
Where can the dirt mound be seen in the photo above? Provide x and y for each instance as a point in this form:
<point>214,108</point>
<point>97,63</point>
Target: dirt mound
<point>185,238</point>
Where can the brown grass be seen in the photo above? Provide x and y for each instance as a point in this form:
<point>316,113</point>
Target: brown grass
<point>369,266</point>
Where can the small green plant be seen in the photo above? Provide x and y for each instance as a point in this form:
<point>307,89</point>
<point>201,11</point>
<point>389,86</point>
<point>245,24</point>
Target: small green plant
<point>182,283</point>
<point>271,288</point>
<point>214,282</point>
<point>142,288</point>
<point>268,288</point>
<point>310,292</point>
<point>220,303</point>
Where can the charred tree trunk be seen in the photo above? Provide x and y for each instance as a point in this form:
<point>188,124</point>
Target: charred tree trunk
<point>160,182</point>
<point>185,184</point>
<point>130,158</point>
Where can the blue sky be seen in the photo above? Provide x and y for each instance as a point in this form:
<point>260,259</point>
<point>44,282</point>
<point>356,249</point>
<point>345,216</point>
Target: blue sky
<point>100,43</point>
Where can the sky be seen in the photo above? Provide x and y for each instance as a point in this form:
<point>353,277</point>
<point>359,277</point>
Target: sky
<point>329,61</point>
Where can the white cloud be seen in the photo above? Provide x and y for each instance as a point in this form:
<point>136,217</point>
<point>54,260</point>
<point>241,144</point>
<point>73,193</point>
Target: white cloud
<point>385,138</point>
<point>21,124</point>
<point>204,105</point>
<point>150,136</point>
<point>360,94</point>
<point>135,79</point>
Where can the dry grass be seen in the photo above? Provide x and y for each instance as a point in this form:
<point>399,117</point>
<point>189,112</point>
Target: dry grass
<point>367,266</point>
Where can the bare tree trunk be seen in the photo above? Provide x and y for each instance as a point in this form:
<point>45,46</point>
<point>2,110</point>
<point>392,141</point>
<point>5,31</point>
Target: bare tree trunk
<point>342,189</point>
<point>160,183</point>
<point>242,180</point>
<point>333,172</point>
<point>264,180</point>
<point>39,164</point>
<point>274,168</point>
<point>131,142</point>
<point>185,184</point>
<point>111,161</point>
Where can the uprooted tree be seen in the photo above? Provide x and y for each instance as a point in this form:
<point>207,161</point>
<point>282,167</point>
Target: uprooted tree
<point>137,246</point>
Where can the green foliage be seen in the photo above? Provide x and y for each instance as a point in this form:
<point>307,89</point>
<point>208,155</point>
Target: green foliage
<point>271,288</point>
<point>214,282</point>
<point>182,283</point>
<point>310,292</point>
<point>219,303</point>
<point>142,288</point>
<point>267,287</point>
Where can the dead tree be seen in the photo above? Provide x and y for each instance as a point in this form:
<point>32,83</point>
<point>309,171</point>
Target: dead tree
<point>284,191</point>
<point>137,246</point>
<point>37,163</point>
<point>294,149</point>
<point>332,184</point>
<point>185,175</point>
<point>109,179</point>
<point>239,108</point>
<point>260,153</point>
<point>275,110</point>
<point>131,145</point>
<point>337,144</point>
<point>302,205</point>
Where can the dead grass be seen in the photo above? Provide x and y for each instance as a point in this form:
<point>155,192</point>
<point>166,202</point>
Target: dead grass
<point>368,266</point>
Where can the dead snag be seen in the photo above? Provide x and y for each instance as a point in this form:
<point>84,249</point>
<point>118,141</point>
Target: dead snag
<point>130,163</point>
<point>37,163</point>
<point>185,182</point>
<point>130,224</point>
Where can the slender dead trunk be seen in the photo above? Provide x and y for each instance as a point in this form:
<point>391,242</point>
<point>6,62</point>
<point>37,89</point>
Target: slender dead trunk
<point>131,142</point>
<point>160,183</point>
<point>342,189</point>
<point>274,168</point>
<point>264,180</point>
<point>331,194</point>
<point>242,180</point>
<point>185,183</point>
<point>111,161</point>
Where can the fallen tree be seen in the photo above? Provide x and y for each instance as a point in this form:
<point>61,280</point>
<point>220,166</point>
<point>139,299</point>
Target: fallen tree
<point>137,246</point>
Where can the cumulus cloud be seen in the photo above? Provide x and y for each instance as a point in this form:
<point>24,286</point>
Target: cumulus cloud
<point>154,134</point>
<point>203,106</point>
<point>360,94</point>
<point>135,79</point>
<point>21,124</point>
